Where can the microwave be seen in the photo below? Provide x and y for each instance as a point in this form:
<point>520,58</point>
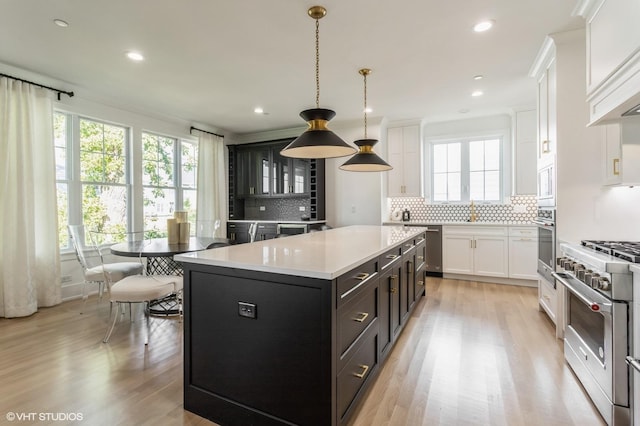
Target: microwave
<point>547,185</point>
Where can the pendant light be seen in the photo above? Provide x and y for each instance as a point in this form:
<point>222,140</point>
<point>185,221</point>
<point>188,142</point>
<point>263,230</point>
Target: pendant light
<point>365,160</point>
<point>317,141</point>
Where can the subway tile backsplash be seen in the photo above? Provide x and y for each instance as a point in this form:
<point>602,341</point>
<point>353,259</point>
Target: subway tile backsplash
<point>523,209</point>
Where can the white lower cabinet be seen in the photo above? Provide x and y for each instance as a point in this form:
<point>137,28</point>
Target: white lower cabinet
<point>523,252</point>
<point>476,250</point>
<point>547,298</point>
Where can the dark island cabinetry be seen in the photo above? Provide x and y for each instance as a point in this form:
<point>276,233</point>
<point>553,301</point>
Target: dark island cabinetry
<point>265,348</point>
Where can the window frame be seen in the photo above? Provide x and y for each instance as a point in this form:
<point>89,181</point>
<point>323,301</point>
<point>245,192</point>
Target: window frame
<point>502,135</point>
<point>133,170</point>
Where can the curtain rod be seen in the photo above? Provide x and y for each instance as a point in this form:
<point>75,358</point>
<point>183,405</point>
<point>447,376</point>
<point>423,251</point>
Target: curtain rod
<point>200,130</point>
<point>58,91</point>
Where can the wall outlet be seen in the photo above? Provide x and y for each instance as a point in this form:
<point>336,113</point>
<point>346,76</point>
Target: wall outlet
<point>262,208</point>
<point>302,208</point>
<point>247,310</point>
<point>353,208</point>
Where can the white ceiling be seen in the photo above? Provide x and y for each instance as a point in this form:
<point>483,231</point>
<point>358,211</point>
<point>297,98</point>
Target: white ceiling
<point>213,61</point>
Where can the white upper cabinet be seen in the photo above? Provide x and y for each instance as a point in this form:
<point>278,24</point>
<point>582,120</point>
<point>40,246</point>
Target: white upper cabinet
<point>525,153</point>
<point>621,152</point>
<point>405,180</point>
<point>613,56</point>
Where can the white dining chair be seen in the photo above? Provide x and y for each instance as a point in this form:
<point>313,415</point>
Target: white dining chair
<point>140,289</point>
<point>94,268</point>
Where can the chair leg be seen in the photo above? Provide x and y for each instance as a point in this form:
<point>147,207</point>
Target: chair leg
<point>113,324</point>
<point>145,306</point>
<point>85,296</point>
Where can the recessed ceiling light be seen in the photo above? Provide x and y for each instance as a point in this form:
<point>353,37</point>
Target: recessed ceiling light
<point>368,110</point>
<point>478,77</point>
<point>483,26</point>
<point>477,93</point>
<point>135,56</point>
<point>61,23</point>
<point>258,110</point>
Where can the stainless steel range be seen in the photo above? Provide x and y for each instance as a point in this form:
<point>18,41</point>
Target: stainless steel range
<point>598,312</point>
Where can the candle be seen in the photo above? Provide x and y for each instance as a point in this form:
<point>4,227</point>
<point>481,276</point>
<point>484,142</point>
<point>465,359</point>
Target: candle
<point>173,231</point>
<point>184,232</point>
<point>181,216</point>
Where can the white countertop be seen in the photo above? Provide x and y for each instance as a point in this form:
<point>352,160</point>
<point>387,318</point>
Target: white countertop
<point>325,254</point>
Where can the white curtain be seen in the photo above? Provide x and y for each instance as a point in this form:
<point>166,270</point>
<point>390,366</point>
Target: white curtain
<point>212,198</point>
<point>29,253</point>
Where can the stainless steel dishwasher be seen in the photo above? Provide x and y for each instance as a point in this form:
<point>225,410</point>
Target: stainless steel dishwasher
<point>434,250</point>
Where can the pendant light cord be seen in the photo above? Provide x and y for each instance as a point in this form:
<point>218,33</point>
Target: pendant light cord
<point>317,63</point>
<point>365,105</point>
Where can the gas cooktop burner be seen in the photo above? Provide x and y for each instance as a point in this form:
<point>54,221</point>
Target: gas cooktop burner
<point>625,250</point>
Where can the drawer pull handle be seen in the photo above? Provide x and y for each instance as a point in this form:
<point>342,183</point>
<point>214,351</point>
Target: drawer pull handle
<point>392,256</point>
<point>365,368</point>
<point>420,258</point>
<point>420,282</point>
<point>392,290</point>
<point>616,166</point>
<point>362,276</point>
<point>363,316</point>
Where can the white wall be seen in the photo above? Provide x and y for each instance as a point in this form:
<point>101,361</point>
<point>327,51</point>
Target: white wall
<point>355,198</point>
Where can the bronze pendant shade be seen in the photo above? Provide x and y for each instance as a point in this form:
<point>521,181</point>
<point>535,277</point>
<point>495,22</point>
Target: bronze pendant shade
<point>317,141</point>
<point>365,160</point>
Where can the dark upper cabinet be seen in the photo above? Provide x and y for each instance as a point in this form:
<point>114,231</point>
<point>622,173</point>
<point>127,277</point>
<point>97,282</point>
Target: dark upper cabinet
<point>262,171</point>
<point>258,170</point>
<point>253,171</point>
<point>290,175</point>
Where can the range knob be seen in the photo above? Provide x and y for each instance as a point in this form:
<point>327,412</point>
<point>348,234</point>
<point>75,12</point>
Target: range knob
<point>586,276</point>
<point>568,264</point>
<point>594,280</point>
<point>560,260</point>
<point>603,283</point>
<point>578,267</point>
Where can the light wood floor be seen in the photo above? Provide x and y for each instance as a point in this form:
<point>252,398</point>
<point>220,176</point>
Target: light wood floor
<point>474,354</point>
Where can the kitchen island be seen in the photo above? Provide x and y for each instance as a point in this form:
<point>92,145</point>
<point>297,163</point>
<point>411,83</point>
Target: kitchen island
<point>294,330</point>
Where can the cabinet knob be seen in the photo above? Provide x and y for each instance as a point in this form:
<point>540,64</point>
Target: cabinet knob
<point>392,290</point>
<point>421,283</point>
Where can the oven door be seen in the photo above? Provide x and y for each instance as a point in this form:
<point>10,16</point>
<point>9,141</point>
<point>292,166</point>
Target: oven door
<point>546,250</point>
<point>596,344</point>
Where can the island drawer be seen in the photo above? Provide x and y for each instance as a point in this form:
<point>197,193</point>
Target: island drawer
<point>353,282</point>
<point>356,372</point>
<point>389,257</point>
<point>354,317</point>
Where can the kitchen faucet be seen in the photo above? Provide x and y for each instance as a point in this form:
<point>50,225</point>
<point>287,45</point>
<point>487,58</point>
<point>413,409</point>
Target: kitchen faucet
<point>472,212</point>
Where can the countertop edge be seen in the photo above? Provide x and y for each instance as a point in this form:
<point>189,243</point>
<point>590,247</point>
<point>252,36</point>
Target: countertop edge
<point>196,257</point>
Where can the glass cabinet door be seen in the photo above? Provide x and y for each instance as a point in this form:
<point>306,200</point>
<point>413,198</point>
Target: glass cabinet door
<point>280,173</point>
<point>300,182</point>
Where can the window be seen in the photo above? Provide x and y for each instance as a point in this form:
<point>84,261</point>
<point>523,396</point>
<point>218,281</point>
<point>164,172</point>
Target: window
<point>465,170</point>
<point>94,177</point>
<point>169,172</point>
<point>103,175</point>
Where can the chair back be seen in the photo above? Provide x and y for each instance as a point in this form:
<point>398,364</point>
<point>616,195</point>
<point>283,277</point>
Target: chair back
<point>87,254</point>
<point>207,228</point>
